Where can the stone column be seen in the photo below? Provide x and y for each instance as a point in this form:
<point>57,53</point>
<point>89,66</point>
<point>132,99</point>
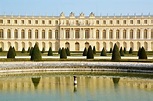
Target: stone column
<point>64,34</point>
<point>53,34</point>
<point>128,34</point>
<point>71,33</point>
<point>121,34</point>
<point>12,33</point>
<point>26,33</point>
<point>134,33</point>
<point>90,33</point>
<point>141,34</point>
<point>100,34</point>
<point>149,34</point>
<point>46,34</point>
<point>94,33</point>
<point>39,33</point>
<point>5,33</point>
<point>33,33</point>
<point>19,33</point>
<point>114,33</point>
<point>107,34</point>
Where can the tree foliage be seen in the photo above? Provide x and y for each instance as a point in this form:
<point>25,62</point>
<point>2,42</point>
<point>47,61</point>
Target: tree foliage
<point>103,52</point>
<point>142,54</point>
<point>94,50</point>
<point>111,50</point>
<point>131,51</point>
<point>121,52</point>
<point>43,50</point>
<point>50,53</point>
<point>36,54</point>
<point>90,54</point>
<point>59,51</point>
<point>29,50</point>
<point>1,50</point>
<point>11,53</point>
<point>124,50</point>
<point>116,55</point>
<point>85,52</point>
<point>68,51</point>
<point>23,50</point>
<point>63,54</point>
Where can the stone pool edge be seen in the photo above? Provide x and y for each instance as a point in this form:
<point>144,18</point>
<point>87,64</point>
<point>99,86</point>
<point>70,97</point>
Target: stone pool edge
<point>9,67</point>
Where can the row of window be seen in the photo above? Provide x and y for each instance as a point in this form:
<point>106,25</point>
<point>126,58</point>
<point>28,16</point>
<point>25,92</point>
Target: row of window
<point>76,22</point>
<point>77,34</point>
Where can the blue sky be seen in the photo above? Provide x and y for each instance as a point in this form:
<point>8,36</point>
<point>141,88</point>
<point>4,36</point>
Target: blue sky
<point>55,7</point>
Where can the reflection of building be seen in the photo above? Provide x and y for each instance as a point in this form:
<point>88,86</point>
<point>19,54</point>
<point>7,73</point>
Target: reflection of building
<point>76,32</point>
<point>65,83</point>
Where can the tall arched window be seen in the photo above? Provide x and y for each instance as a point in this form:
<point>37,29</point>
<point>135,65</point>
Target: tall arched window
<point>117,34</point>
<point>77,34</point>
<point>15,33</point>
<point>29,34</point>
<point>131,34</point>
<point>77,46</point>
<point>145,34</point>
<point>8,33</point>
<point>124,34</point>
<point>43,34</point>
<point>67,34</point>
<point>1,33</point>
<point>36,34</point>
<point>138,34</point>
<point>87,34</point>
<point>97,34</point>
<point>104,34</point>
<point>50,34</point>
<point>110,34</point>
<point>22,34</point>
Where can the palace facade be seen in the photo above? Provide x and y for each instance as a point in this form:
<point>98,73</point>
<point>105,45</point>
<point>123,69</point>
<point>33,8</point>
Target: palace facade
<point>76,32</point>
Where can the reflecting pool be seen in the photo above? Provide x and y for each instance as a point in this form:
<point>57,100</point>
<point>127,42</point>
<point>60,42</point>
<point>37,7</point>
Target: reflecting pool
<point>102,86</point>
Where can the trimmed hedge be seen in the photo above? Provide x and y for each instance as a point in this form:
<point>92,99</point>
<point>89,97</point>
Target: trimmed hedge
<point>116,55</point>
<point>63,54</point>
<point>85,52</point>
<point>11,53</point>
<point>103,52</point>
<point>23,50</point>
<point>142,54</point>
<point>50,52</point>
<point>94,50</point>
<point>90,54</point>
<point>121,52</point>
<point>36,54</point>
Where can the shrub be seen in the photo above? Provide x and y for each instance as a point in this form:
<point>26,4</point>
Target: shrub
<point>67,51</point>
<point>121,52</point>
<point>63,54</point>
<point>124,50</point>
<point>11,53</point>
<point>138,54</point>
<point>90,54</point>
<point>43,50</point>
<point>29,50</point>
<point>110,51</point>
<point>116,55</point>
<point>36,54</point>
<point>103,52</point>
<point>59,51</point>
<point>1,50</point>
<point>131,51</point>
<point>23,50</point>
<point>50,53</point>
<point>142,54</point>
<point>94,50</point>
<point>85,52</point>
<point>14,51</point>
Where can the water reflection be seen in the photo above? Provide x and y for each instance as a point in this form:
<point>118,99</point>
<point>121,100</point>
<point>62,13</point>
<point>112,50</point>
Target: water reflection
<point>88,88</point>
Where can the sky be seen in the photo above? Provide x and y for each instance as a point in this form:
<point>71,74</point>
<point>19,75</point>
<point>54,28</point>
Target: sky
<point>55,7</point>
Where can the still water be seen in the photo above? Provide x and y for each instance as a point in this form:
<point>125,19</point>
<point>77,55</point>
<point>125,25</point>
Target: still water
<point>90,87</point>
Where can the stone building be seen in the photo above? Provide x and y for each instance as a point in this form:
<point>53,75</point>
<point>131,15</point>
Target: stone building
<point>76,32</point>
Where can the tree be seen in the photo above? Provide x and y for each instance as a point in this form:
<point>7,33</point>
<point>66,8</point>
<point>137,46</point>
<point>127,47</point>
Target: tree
<point>131,51</point>
<point>116,55</point>
<point>138,54</point>
<point>59,51</point>
<point>36,54</point>
<point>23,50</point>
<point>29,50</point>
<point>110,50</point>
<point>11,53</point>
<point>121,52</point>
<point>43,50</point>
<point>85,52</point>
<point>14,51</point>
<point>63,54</point>
<point>103,52</point>
<point>1,50</point>
<point>50,53</point>
<point>94,50</point>
<point>67,51</point>
<point>90,54</point>
<point>124,50</point>
<point>142,54</point>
